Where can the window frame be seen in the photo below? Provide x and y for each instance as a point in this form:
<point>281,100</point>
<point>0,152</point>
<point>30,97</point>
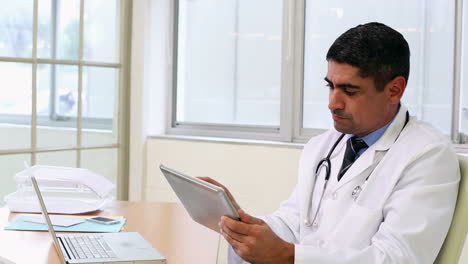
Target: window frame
<point>104,124</point>
<point>292,83</point>
<point>55,120</point>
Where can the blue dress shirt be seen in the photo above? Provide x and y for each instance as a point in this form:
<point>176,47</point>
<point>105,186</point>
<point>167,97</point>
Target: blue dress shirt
<point>372,138</point>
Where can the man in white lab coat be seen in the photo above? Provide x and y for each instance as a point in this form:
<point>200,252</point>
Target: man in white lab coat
<point>380,187</point>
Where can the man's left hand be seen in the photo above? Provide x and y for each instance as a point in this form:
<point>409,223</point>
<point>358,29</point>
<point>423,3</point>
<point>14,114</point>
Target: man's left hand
<point>254,241</point>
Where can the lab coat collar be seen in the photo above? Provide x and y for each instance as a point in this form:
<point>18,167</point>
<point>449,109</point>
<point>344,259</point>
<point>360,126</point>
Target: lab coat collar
<point>393,131</point>
<point>372,156</point>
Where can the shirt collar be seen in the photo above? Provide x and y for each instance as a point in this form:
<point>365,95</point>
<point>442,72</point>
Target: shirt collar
<point>374,136</point>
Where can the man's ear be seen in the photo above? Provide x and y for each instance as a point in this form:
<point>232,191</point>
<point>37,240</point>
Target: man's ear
<point>395,89</point>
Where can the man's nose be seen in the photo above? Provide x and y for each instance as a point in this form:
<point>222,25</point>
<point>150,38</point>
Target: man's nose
<point>335,100</point>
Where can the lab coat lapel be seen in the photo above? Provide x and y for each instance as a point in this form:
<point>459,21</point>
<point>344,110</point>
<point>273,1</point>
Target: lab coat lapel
<point>309,168</point>
<point>365,164</point>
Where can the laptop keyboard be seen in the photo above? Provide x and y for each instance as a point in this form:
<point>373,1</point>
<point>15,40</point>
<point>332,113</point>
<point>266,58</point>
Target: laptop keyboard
<point>88,247</point>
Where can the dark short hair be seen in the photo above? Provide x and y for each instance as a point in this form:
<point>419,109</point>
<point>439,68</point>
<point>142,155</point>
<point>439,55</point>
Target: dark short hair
<point>376,49</point>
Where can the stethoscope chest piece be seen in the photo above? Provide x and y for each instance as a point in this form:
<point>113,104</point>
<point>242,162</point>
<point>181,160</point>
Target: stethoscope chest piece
<point>355,194</point>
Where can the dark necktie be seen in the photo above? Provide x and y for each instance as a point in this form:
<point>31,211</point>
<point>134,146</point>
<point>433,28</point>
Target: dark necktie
<point>353,145</point>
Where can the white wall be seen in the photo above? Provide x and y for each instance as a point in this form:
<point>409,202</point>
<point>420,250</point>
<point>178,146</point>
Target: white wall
<point>259,176</point>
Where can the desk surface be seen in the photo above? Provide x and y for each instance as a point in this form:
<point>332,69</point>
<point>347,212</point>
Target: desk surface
<point>166,226</point>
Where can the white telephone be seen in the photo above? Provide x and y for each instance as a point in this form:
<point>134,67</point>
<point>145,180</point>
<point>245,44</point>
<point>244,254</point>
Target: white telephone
<point>66,190</point>
<point>5,261</point>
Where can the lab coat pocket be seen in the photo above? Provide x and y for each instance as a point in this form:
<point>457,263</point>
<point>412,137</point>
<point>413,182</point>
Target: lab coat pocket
<point>357,227</point>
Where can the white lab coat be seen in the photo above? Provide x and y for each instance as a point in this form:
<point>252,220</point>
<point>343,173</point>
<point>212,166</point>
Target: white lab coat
<point>402,214</point>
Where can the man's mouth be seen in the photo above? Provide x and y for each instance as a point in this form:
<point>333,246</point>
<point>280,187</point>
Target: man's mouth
<point>337,117</point>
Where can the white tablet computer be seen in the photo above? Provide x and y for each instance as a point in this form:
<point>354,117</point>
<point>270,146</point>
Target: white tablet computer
<point>204,202</point>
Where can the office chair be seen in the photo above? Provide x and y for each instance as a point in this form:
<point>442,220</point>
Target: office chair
<point>453,251</point>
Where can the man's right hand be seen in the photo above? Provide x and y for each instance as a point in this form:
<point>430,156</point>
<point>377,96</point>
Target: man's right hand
<point>208,179</point>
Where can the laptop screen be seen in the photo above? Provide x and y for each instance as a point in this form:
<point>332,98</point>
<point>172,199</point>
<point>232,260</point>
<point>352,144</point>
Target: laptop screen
<point>46,216</point>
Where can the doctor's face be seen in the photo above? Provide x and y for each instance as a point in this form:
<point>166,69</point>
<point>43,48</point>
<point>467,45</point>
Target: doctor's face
<point>356,105</point>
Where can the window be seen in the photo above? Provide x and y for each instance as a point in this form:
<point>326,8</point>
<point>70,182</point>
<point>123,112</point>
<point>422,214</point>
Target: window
<point>63,70</point>
<point>269,71</point>
<point>229,63</point>
<point>229,60</point>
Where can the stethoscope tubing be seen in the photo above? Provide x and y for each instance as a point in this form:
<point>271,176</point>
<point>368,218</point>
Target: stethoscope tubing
<point>327,164</point>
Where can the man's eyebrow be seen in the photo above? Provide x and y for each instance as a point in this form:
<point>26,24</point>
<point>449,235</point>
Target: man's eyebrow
<point>342,85</point>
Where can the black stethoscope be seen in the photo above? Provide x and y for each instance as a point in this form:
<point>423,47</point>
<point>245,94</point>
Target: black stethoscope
<point>326,163</point>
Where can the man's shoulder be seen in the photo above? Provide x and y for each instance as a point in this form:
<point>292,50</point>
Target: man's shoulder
<point>330,135</point>
<point>422,142</point>
<point>321,142</point>
<point>420,132</point>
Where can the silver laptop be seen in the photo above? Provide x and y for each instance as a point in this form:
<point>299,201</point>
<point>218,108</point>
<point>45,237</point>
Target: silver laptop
<point>99,247</point>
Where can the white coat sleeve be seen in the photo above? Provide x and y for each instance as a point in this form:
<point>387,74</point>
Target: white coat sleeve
<point>284,222</point>
<point>417,216</point>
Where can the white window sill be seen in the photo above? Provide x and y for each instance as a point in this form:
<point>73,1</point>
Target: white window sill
<point>230,141</point>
